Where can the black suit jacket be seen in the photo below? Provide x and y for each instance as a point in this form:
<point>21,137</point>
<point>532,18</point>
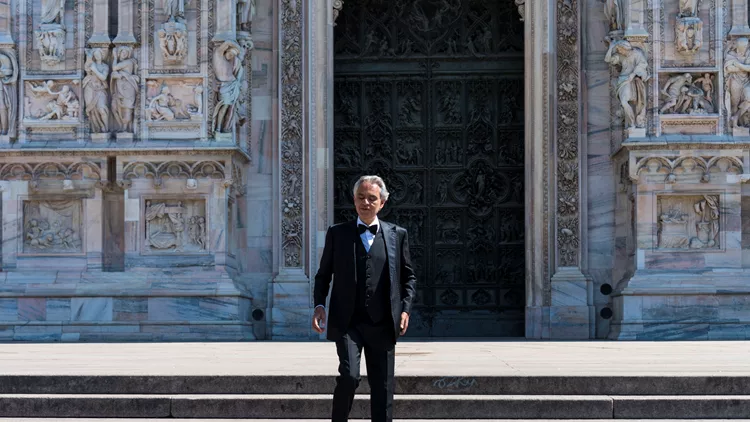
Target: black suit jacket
<point>339,261</point>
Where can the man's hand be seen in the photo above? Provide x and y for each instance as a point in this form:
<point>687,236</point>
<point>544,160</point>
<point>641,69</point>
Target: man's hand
<point>404,323</point>
<point>319,320</point>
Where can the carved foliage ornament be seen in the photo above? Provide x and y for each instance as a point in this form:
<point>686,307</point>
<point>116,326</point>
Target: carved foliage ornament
<point>521,8</point>
<point>173,169</point>
<point>291,136</point>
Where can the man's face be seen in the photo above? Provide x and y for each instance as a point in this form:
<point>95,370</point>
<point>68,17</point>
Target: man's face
<point>368,202</point>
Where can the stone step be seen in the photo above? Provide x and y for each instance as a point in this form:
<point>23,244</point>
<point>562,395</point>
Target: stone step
<point>323,384</point>
<point>328,420</point>
<point>293,406</point>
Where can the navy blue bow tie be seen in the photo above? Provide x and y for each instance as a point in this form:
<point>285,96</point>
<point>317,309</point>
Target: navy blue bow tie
<point>362,228</point>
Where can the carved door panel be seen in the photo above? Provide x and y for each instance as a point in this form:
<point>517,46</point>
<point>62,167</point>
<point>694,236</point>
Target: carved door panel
<point>429,95</point>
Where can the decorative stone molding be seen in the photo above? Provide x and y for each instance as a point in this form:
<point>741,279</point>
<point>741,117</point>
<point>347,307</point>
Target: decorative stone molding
<point>291,134</point>
<point>337,6</point>
<point>80,170</point>
<point>661,167</point>
<point>521,8</point>
<point>158,171</point>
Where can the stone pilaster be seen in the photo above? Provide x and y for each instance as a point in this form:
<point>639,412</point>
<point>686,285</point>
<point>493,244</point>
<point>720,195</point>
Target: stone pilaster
<point>125,20</point>
<point>100,32</point>
<point>226,21</point>
<point>636,19</point>
<point>738,14</point>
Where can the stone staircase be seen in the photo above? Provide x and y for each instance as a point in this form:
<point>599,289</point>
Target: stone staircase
<point>417,397</point>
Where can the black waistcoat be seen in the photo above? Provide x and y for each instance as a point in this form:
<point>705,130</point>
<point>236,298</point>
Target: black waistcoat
<point>373,287</point>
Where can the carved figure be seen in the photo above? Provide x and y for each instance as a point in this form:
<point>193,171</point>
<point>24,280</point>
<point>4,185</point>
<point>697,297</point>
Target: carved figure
<point>51,44</point>
<point>197,231</point>
<point>245,14</point>
<point>166,107</point>
<point>124,86</point>
<point>173,42</point>
<point>229,72</point>
<point>8,93</point>
<point>707,84</point>
<point>175,9</point>
<point>613,10</point>
<point>688,8</point>
<point>631,87</point>
<point>688,35</point>
<point>95,94</point>
<point>53,12</point>
<point>737,94</point>
<point>198,99</point>
<point>673,229</point>
<point>64,106</point>
<point>674,92</point>
<point>707,227</point>
<point>164,225</point>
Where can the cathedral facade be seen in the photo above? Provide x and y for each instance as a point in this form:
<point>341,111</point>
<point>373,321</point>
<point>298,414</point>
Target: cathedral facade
<point>566,169</point>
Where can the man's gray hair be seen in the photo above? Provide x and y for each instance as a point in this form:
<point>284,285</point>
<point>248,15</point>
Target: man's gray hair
<point>373,180</point>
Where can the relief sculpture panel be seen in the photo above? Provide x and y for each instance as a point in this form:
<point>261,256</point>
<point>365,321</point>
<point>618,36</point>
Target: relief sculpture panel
<point>688,222</point>
<point>175,226</point>
<point>52,227</point>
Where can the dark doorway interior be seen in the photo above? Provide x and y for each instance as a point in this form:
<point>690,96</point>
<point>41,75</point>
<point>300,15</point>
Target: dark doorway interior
<point>429,95</point>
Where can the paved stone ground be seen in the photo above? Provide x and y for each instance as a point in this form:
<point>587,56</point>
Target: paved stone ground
<point>453,358</point>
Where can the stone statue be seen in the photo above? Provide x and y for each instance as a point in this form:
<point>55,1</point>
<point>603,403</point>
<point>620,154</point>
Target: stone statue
<point>707,84</point>
<point>175,9</point>
<point>229,72</point>
<point>245,14</point>
<point>197,231</point>
<point>631,87</point>
<point>688,8</point>
<point>64,106</point>
<point>173,42</point>
<point>95,96</point>
<point>51,45</point>
<point>198,99</point>
<point>8,93</point>
<point>736,73</point>
<point>614,12</point>
<point>165,107</point>
<point>688,35</point>
<point>53,12</point>
<point>124,87</point>
<point>675,90</point>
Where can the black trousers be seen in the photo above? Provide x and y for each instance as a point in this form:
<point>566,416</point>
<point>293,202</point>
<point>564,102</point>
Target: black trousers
<point>378,344</point>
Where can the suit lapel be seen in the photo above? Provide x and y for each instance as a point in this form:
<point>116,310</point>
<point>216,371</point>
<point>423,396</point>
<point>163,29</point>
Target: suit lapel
<point>389,237</point>
<point>354,236</point>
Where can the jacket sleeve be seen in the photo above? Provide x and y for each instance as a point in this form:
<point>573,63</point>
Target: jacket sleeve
<point>325,271</point>
<point>408,277</point>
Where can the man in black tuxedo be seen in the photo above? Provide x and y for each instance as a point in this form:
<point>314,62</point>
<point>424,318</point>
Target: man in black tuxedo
<point>373,290</point>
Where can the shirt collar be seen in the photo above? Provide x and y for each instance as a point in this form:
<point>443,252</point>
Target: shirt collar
<point>375,221</point>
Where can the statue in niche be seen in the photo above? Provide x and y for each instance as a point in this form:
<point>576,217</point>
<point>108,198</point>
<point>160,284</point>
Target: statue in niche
<point>245,14</point>
<point>615,14</point>
<point>631,84</point>
<point>229,72</point>
<point>688,35</point>
<point>164,225</point>
<point>166,107</point>
<point>197,231</point>
<point>175,9</point>
<point>63,106</point>
<point>173,42</point>
<point>124,86</point>
<point>53,12</point>
<point>95,95</point>
<point>688,8</point>
<point>707,227</point>
<point>737,83</point>
<point>8,93</point>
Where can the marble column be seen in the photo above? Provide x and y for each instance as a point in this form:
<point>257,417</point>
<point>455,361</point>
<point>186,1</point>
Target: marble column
<point>226,21</point>
<point>125,33</point>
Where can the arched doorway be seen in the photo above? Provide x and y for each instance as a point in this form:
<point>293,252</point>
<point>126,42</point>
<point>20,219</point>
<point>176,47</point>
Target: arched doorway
<point>429,95</point>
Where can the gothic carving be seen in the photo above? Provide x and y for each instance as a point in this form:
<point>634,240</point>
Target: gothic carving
<point>737,83</point>
<point>337,6</point>
<point>124,86</point>
<point>291,132</point>
<point>95,87</point>
<point>685,169</point>
<point>9,72</point>
<point>688,222</point>
<point>197,231</point>
<point>229,72</point>
<point>52,227</point>
<point>683,95</point>
<point>245,14</point>
<point>51,33</point>
<point>158,171</point>
<point>173,42</point>
<point>615,13</point>
<point>688,35</point>
<point>57,105</point>
<point>631,82</point>
<point>175,226</point>
<point>688,8</point>
<point>163,105</point>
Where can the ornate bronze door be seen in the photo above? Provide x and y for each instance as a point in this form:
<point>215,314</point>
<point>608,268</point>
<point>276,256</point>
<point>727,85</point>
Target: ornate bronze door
<point>429,95</point>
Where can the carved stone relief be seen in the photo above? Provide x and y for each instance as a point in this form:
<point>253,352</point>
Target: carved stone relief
<point>96,90</point>
<point>173,100</point>
<point>9,72</point>
<point>687,94</point>
<point>614,11</point>
<point>158,171</point>
<point>52,227</point>
<point>631,82</point>
<point>125,84</point>
<point>173,42</point>
<point>688,222</point>
<point>52,100</point>
<point>174,226</point>
<point>688,35</point>
<point>737,83</point>
<point>686,169</point>
<point>51,33</point>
